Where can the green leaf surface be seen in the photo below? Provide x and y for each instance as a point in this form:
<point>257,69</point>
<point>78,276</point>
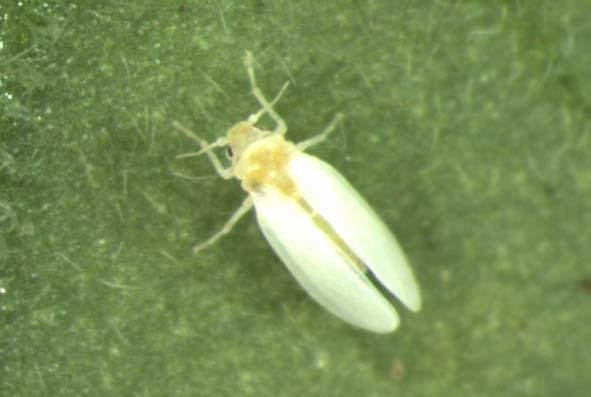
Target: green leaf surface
<point>468,128</point>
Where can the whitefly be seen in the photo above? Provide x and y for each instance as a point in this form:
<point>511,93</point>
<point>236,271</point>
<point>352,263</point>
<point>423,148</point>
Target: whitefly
<point>318,224</point>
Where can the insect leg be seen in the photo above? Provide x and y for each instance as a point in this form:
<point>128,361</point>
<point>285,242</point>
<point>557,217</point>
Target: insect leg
<point>207,148</point>
<point>228,226</point>
<point>323,135</point>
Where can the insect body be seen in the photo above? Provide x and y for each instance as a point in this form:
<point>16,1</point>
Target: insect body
<point>321,228</point>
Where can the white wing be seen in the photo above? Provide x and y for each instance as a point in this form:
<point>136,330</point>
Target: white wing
<point>322,269</point>
<point>329,193</point>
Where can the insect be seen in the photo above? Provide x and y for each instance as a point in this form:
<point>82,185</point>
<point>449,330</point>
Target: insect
<point>319,226</point>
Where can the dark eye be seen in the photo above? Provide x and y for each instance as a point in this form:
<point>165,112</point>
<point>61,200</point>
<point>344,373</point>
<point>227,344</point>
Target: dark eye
<point>229,152</point>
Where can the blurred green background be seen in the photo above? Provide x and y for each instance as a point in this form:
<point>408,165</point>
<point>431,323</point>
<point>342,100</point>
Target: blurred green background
<point>468,128</point>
